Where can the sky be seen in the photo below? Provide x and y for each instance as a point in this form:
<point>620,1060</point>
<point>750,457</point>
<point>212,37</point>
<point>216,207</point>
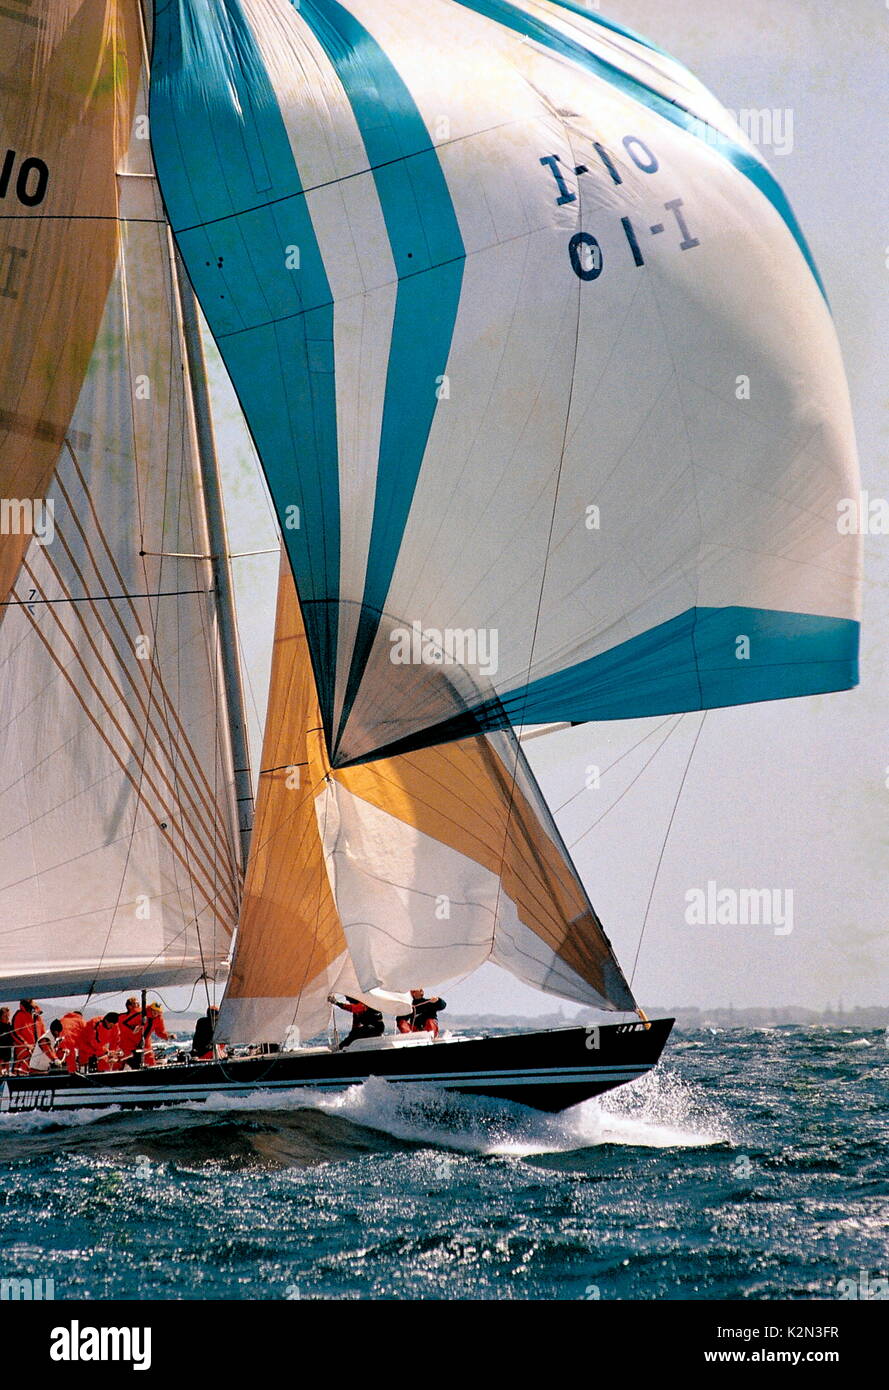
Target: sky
<point>790,796</point>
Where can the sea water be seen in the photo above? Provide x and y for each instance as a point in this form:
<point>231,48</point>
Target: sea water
<point>750,1164</point>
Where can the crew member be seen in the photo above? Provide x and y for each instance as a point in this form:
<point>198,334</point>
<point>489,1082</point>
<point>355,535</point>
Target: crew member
<point>202,1042</point>
<point>6,1042</point>
<point>366,1022</point>
<point>28,1032</point>
<point>66,1034</point>
<point>131,1029</point>
<point>422,1017</point>
<point>155,1028</point>
<point>99,1044</point>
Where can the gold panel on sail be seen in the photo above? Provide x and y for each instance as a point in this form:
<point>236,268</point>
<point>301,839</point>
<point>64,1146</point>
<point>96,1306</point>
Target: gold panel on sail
<point>290,932</point>
<point>69,72</point>
<point>465,822</point>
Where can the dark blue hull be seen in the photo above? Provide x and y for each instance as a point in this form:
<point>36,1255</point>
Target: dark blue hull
<point>549,1071</point>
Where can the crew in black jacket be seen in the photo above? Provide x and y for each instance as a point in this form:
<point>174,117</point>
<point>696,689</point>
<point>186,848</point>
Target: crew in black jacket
<point>422,1017</point>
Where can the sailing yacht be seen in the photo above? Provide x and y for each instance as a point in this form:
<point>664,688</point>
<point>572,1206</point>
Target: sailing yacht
<point>544,387</point>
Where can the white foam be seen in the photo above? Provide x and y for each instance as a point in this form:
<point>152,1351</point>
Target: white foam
<point>658,1111</point>
<point>32,1121</point>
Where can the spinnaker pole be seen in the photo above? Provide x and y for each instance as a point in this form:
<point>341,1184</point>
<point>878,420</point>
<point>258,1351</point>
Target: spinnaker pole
<point>218,534</point>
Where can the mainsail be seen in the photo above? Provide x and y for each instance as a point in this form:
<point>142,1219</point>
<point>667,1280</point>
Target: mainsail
<point>413,868</point>
<point>118,864</point>
<point>535,355</point>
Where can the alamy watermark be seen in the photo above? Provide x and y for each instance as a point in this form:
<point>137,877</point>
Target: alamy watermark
<point>451,646</point>
<point>770,126</point>
<point>740,907</point>
<point>863,515</point>
<point>27,516</point>
<point>24,1288</point>
<point>864,1286</point>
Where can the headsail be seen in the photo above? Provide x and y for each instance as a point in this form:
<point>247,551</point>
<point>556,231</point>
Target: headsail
<point>534,353</point>
<point>117,852</point>
<point>416,868</point>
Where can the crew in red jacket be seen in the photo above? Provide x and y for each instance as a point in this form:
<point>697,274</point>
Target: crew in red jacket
<point>156,1028</point>
<point>66,1034</point>
<point>100,1040</point>
<point>28,1032</point>
<point>132,1026</point>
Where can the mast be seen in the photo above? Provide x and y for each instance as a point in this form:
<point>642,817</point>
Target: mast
<point>219,555</point>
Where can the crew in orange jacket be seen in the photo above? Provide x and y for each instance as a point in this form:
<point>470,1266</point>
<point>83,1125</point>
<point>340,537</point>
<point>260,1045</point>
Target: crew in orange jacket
<point>100,1039</point>
<point>66,1034</point>
<point>156,1029</point>
<point>28,1032</point>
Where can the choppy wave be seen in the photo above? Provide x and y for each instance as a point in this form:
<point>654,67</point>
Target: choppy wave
<point>659,1111</point>
<point>749,1165</point>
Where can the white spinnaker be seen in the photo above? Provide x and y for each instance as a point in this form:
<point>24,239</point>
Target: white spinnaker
<point>617,456</point>
<point>707,418</point>
<point>117,847</point>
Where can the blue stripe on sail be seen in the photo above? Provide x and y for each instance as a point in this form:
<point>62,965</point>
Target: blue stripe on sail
<point>502,12</point>
<point>429,256</point>
<point>236,204</point>
<point>593,18</point>
<point>691,662</point>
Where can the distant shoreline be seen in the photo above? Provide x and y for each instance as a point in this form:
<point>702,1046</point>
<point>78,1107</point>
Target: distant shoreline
<point>687,1019</point>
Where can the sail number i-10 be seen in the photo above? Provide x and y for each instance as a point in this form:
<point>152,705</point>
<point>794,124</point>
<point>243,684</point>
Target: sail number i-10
<point>31,179</point>
<point>584,251</point>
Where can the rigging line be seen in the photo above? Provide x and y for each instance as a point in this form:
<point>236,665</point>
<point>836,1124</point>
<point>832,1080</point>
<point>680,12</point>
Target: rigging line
<point>78,655</point>
<point>218,754</point>
<point>193,555</point>
<point>202,810</point>
<point>142,777</point>
<point>176,343</point>
<point>183,930</point>
<point>218,757</point>
<point>651,282</point>
<point>168,1008</point>
<point>630,784</point>
<point>203,795</point>
<point>176,555</point>
<point>549,540</point>
<point>664,845</point>
<point>247,678</point>
<point>91,717</point>
<point>196,774</point>
<point>611,766</point>
<point>98,598</point>
<point>560,881</point>
<point>440,797</point>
